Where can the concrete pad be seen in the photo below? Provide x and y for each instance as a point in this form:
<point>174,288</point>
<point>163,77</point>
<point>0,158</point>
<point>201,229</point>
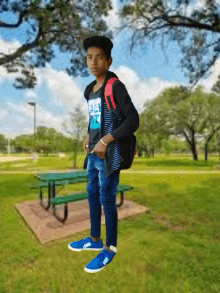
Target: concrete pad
<point>46,227</point>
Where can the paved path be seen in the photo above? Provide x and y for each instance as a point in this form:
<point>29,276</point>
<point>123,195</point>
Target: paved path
<point>171,171</point>
<point>124,172</point>
<point>10,159</point>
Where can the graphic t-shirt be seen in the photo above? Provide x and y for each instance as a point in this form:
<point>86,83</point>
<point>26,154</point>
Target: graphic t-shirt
<point>94,107</point>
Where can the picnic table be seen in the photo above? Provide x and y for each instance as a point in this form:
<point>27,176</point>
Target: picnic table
<point>51,180</point>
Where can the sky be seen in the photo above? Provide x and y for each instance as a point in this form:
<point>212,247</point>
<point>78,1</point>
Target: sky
<point>144,73</point>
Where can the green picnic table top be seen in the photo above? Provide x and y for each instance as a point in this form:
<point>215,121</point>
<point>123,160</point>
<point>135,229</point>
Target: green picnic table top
<point>60,176</point>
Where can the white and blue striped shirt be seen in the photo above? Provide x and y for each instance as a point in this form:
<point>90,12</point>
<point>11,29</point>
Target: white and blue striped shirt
<point>108,128</point>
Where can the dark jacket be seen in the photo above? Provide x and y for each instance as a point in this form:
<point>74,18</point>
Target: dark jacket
<point>130,117</point>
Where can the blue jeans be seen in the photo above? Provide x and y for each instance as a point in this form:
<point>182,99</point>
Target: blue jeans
<point>102,190</point>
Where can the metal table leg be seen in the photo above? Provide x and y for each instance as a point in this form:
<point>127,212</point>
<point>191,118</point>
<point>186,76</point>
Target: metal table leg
<point>61,219</point>
<point>122,200</point>
<point>46,207</point>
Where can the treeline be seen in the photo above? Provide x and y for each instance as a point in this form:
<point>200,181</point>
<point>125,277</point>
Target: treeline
<point>178,120</point>
<point>48,140</point>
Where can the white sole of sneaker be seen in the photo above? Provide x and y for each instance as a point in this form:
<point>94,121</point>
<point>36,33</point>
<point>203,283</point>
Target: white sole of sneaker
<point>93,271</point>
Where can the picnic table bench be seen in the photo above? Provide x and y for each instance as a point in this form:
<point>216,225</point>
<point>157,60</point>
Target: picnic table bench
<point>51,180</point>
<point>80,196</point>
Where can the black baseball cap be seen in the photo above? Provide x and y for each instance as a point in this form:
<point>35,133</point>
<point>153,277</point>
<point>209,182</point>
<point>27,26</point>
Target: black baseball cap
<point>99,41</point>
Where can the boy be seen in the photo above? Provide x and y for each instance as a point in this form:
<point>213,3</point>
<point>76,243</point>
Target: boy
<point>103,151</point>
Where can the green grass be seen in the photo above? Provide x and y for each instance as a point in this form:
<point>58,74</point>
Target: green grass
<point>159,162</point>
<point>51,162</point>
<point>174,248</point>
<point>174,162</point>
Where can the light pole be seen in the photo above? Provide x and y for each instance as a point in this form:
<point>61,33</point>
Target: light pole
<point>34,154</point>
<point>9,147</point>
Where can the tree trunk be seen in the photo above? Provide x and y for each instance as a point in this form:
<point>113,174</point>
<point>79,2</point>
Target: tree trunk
<point>192,144</point>
<point>206,145</point>
<point>193,148</point>
<point>74,159</point>
<point>146,153</point>
<point>75,152</point>
<point>206,151</point>
<point>152,151</point>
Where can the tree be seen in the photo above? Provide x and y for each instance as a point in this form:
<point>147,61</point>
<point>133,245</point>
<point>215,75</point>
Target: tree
<point>212,121</point>
<point>3,142</point>
<point>48,140</point>
<point>76,127</point>
<point>175,145</point>
<point>216,86</point>
<point>148,136</point>
<point>24,142</point>
<point>185,114</point>
<point>196,29</point>
<point>63,23</point>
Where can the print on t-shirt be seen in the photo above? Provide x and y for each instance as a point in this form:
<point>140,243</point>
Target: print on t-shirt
<point>94,106</point>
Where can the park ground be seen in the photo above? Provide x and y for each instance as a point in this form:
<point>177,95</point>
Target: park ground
<point>174,248</point>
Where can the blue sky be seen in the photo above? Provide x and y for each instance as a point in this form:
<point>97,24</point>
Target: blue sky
<point>144,74</point>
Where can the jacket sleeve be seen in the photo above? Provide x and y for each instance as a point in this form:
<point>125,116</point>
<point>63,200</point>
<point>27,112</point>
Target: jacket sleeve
<point>131,122</point>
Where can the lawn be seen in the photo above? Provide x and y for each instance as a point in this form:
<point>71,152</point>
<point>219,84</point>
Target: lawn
<point>159,162</point>
<point>175,248</point>
<point>52,162</point>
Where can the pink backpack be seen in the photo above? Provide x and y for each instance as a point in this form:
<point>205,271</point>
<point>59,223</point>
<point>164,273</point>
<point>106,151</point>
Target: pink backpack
<point>129,143</point>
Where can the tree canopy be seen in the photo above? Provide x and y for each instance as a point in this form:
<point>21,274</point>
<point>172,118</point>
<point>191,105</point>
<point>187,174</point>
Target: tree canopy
<point>47,140</point>
<point>194,25</point>
<point>64,23</point>
<point>192,115</point>
<point>3,142</point>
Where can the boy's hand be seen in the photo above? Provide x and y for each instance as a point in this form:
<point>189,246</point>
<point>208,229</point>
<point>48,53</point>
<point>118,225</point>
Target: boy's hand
<point>86,144</point>
<point>100,150</point>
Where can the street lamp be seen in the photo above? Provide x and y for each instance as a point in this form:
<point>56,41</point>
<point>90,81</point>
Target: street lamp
<point>34,154</point>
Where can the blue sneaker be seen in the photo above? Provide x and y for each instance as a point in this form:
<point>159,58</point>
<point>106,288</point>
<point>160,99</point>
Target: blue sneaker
<point>86,244</point>
<point>101,260</point>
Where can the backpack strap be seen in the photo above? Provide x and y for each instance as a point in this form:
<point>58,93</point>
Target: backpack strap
<point>109,99</point>
<point>109,95</point>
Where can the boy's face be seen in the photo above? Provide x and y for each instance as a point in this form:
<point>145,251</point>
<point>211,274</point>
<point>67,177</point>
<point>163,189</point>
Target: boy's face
<point>97,61</point>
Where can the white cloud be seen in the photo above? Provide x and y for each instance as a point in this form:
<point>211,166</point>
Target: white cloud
<point>141,90</point>
<point>30,94</point>
<point>22,112</point>
<point>64,90</point>
<point>61,89</point>
<point>3,114</point>
<point>7,48</point>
